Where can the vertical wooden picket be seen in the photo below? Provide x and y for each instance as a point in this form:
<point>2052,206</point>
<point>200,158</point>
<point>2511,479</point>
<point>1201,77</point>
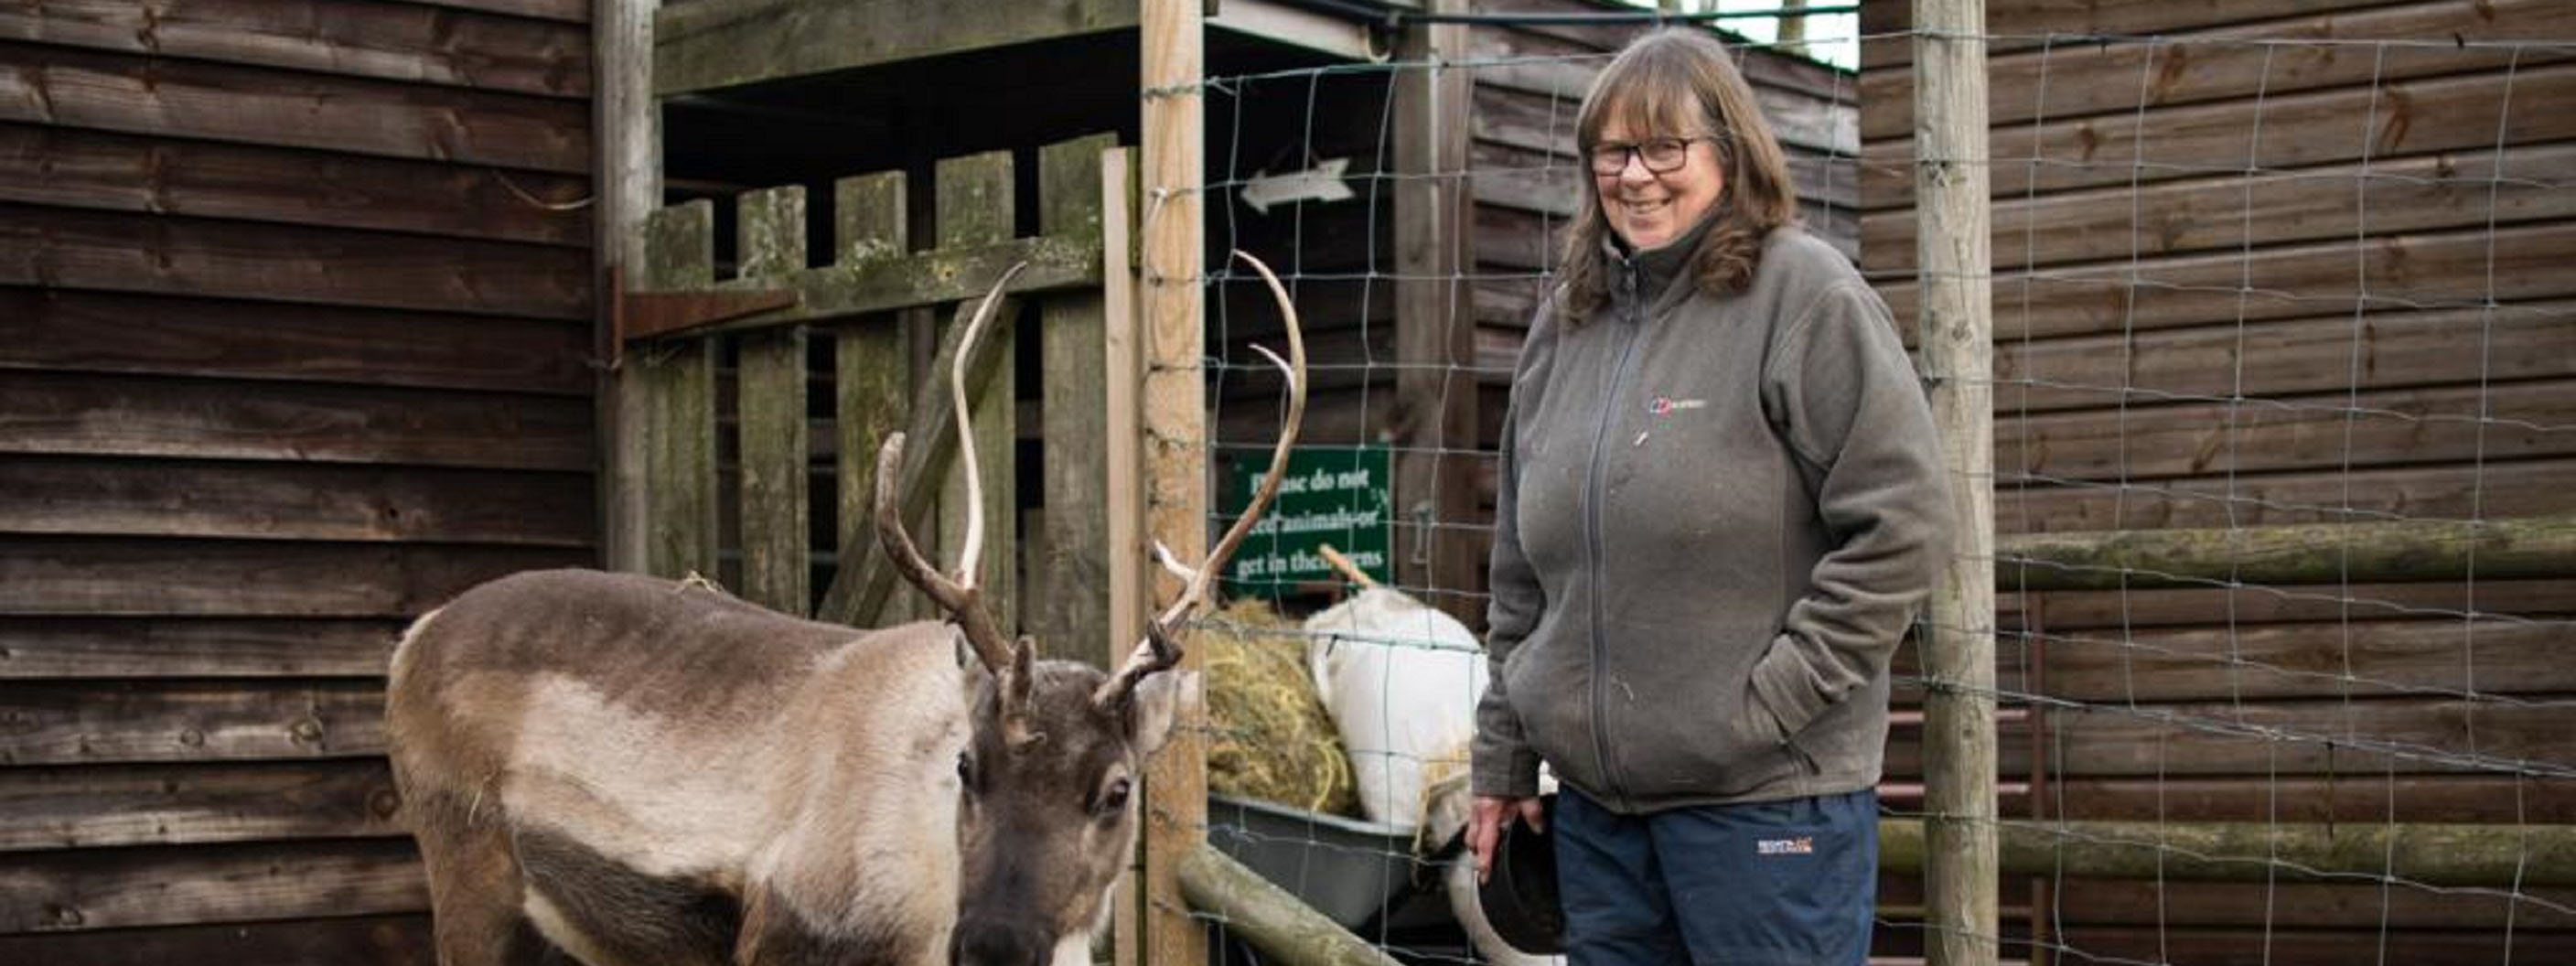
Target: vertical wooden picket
<point>1069,600</point>
<point>974,208</point>
<point>770,381</point>
<point>678,379</point>
<point>871,366</point>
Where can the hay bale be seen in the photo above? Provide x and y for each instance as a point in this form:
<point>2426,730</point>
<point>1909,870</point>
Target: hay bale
<point>1271,738</point>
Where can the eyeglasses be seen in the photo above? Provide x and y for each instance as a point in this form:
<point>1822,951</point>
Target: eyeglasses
<point>1661,155</point>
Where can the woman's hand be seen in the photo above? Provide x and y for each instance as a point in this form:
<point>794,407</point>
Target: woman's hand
<point>1485,826</point>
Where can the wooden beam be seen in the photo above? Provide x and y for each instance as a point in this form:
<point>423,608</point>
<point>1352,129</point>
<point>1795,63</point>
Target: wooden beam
<point>121,496</point>
<point>68,413</point>
<point>709,44</point>
<point>90,577</point>
<point>1267,916</point>
<point>173,804</point>
<point>2326,553</point>
<point>628,126</point>
<point>1159,930</point>
<point>946,274</point>
<point>2501,856</point>
<point>87,889</point>
<point>416,43</point>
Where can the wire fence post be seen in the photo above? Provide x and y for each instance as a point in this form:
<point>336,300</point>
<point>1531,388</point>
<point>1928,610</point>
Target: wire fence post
<point>1958,643</point>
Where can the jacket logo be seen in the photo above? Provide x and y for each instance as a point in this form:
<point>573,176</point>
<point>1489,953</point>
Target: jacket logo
<point>1802,845</point>
<point>1664,405</point>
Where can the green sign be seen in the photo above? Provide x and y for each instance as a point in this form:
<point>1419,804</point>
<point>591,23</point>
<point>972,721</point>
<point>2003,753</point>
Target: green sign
<point>1336,495</point>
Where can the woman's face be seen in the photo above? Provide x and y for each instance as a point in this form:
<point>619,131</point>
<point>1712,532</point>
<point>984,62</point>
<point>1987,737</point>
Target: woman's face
<point>1646,208</point>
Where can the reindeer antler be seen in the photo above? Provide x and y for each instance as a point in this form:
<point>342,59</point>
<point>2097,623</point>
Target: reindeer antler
<point>959,596</point>
<point>1158,652</point>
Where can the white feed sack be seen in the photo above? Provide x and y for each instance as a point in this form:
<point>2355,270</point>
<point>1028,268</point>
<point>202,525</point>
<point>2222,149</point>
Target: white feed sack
<point>1401,682</point>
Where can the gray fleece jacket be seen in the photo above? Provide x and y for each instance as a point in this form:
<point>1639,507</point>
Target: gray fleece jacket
<point>1718,514</point>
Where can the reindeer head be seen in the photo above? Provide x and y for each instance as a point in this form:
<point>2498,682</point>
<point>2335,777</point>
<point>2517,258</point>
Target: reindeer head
<point>1047,810</point>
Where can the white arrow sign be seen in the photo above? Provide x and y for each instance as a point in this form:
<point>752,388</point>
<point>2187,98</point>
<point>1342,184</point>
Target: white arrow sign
<point>1322,182</point>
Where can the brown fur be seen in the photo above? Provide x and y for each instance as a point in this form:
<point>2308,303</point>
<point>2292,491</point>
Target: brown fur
<point>639,770</point>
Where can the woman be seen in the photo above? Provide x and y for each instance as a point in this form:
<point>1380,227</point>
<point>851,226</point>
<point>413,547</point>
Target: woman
<point>1721,503</point>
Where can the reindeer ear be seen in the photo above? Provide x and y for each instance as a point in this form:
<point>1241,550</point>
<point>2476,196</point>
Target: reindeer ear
<point>1156,704</point>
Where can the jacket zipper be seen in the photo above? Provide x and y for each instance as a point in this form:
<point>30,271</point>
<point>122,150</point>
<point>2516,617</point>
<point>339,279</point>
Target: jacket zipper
<point>1592,542</point>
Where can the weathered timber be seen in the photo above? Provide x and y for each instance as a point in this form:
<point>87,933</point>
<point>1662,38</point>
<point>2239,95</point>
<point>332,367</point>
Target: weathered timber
<point>400,939</point>
<point>1267,916</point>
<point>2282,943</point>
<point>2430,854</point>
<point>173,647</point>
<point>86,722</point>
<point>2272,360</point>
<point>2311,905</point>
<point>90,415</point>
<point>2465,188</point>
<point>677,385</point>
<point>770,383</point>
<point>973,206</point>
<point>871,364</point>
<point>2355,738</point>
<point>2451,269</point>
<point>2448,113</point>
<point>2067,610</point>
<point>98,332</point>
<point>2500,489</point>
<point>75,576</point>
<point>721,43</point>
<point>2426,550</point>
<point>252,105</point>
<point>1546,182</point>
<point>946,274</point>
<point>628,124</point>
<point>2361,659</point>
<point>2328,49</point>
<point>571,11</point>
<point>121,252</point>
<point>2505,421</point>
<point>2497,799</point>
<point>862,585</point>
<point>120,888</point>
<point>1066,598</point>
<point>1801,121</point>
<point>176,804</point>
<point>125,497</point>
<point>2023,25</point>
<point>119,172</point>
<point>1173,425</point>
<point>364,38</point>
<point>1955,328</point>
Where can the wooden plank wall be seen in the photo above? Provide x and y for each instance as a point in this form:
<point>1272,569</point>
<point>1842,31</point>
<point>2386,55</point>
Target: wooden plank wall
<point>1522,178</point>
<point>295,314</point>
<point>2265,262</point>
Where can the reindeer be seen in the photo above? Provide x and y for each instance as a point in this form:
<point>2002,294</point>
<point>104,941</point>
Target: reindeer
<point>631,770</point>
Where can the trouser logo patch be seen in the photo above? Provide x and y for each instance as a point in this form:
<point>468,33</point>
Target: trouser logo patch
<point>1802,845</point>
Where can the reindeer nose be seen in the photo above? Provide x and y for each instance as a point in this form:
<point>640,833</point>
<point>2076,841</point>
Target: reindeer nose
<point>992,943</point>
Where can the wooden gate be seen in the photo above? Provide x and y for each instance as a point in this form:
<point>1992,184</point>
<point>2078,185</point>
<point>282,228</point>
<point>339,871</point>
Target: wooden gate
<point>766,394</point>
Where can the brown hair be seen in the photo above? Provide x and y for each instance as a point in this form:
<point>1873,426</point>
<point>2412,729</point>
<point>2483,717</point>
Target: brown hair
<point>1680,80</point>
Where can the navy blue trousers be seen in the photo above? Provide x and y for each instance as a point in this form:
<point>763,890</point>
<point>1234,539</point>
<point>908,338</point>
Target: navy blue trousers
<point>1785,883</point>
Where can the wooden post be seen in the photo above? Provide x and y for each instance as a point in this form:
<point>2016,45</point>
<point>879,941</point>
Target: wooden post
<point>1435,328</point>
<point>769,233</point>
<point>1956,335</point>
<point>677,379</point>
<point>629,138</point>
<point>974,202</point>
<point>1122,435</point>
<point>871,365</point>
<point>2303,553</point>
<point>1176,444</point>
<point>1068,592</point>
<point>1269,917</point>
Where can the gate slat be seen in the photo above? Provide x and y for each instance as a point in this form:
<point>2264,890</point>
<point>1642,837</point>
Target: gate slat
<point>871,365</point>
<point>770,237</point>
<point>1067,597</point>
<point>678,379</point>
<point>975,204</point>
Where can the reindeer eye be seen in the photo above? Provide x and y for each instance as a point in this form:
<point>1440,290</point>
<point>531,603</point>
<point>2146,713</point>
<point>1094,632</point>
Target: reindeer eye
<point>1114,798</point>
<point>966,771</point>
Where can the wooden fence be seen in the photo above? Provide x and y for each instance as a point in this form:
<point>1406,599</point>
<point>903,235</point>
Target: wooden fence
<point>767,394</point>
